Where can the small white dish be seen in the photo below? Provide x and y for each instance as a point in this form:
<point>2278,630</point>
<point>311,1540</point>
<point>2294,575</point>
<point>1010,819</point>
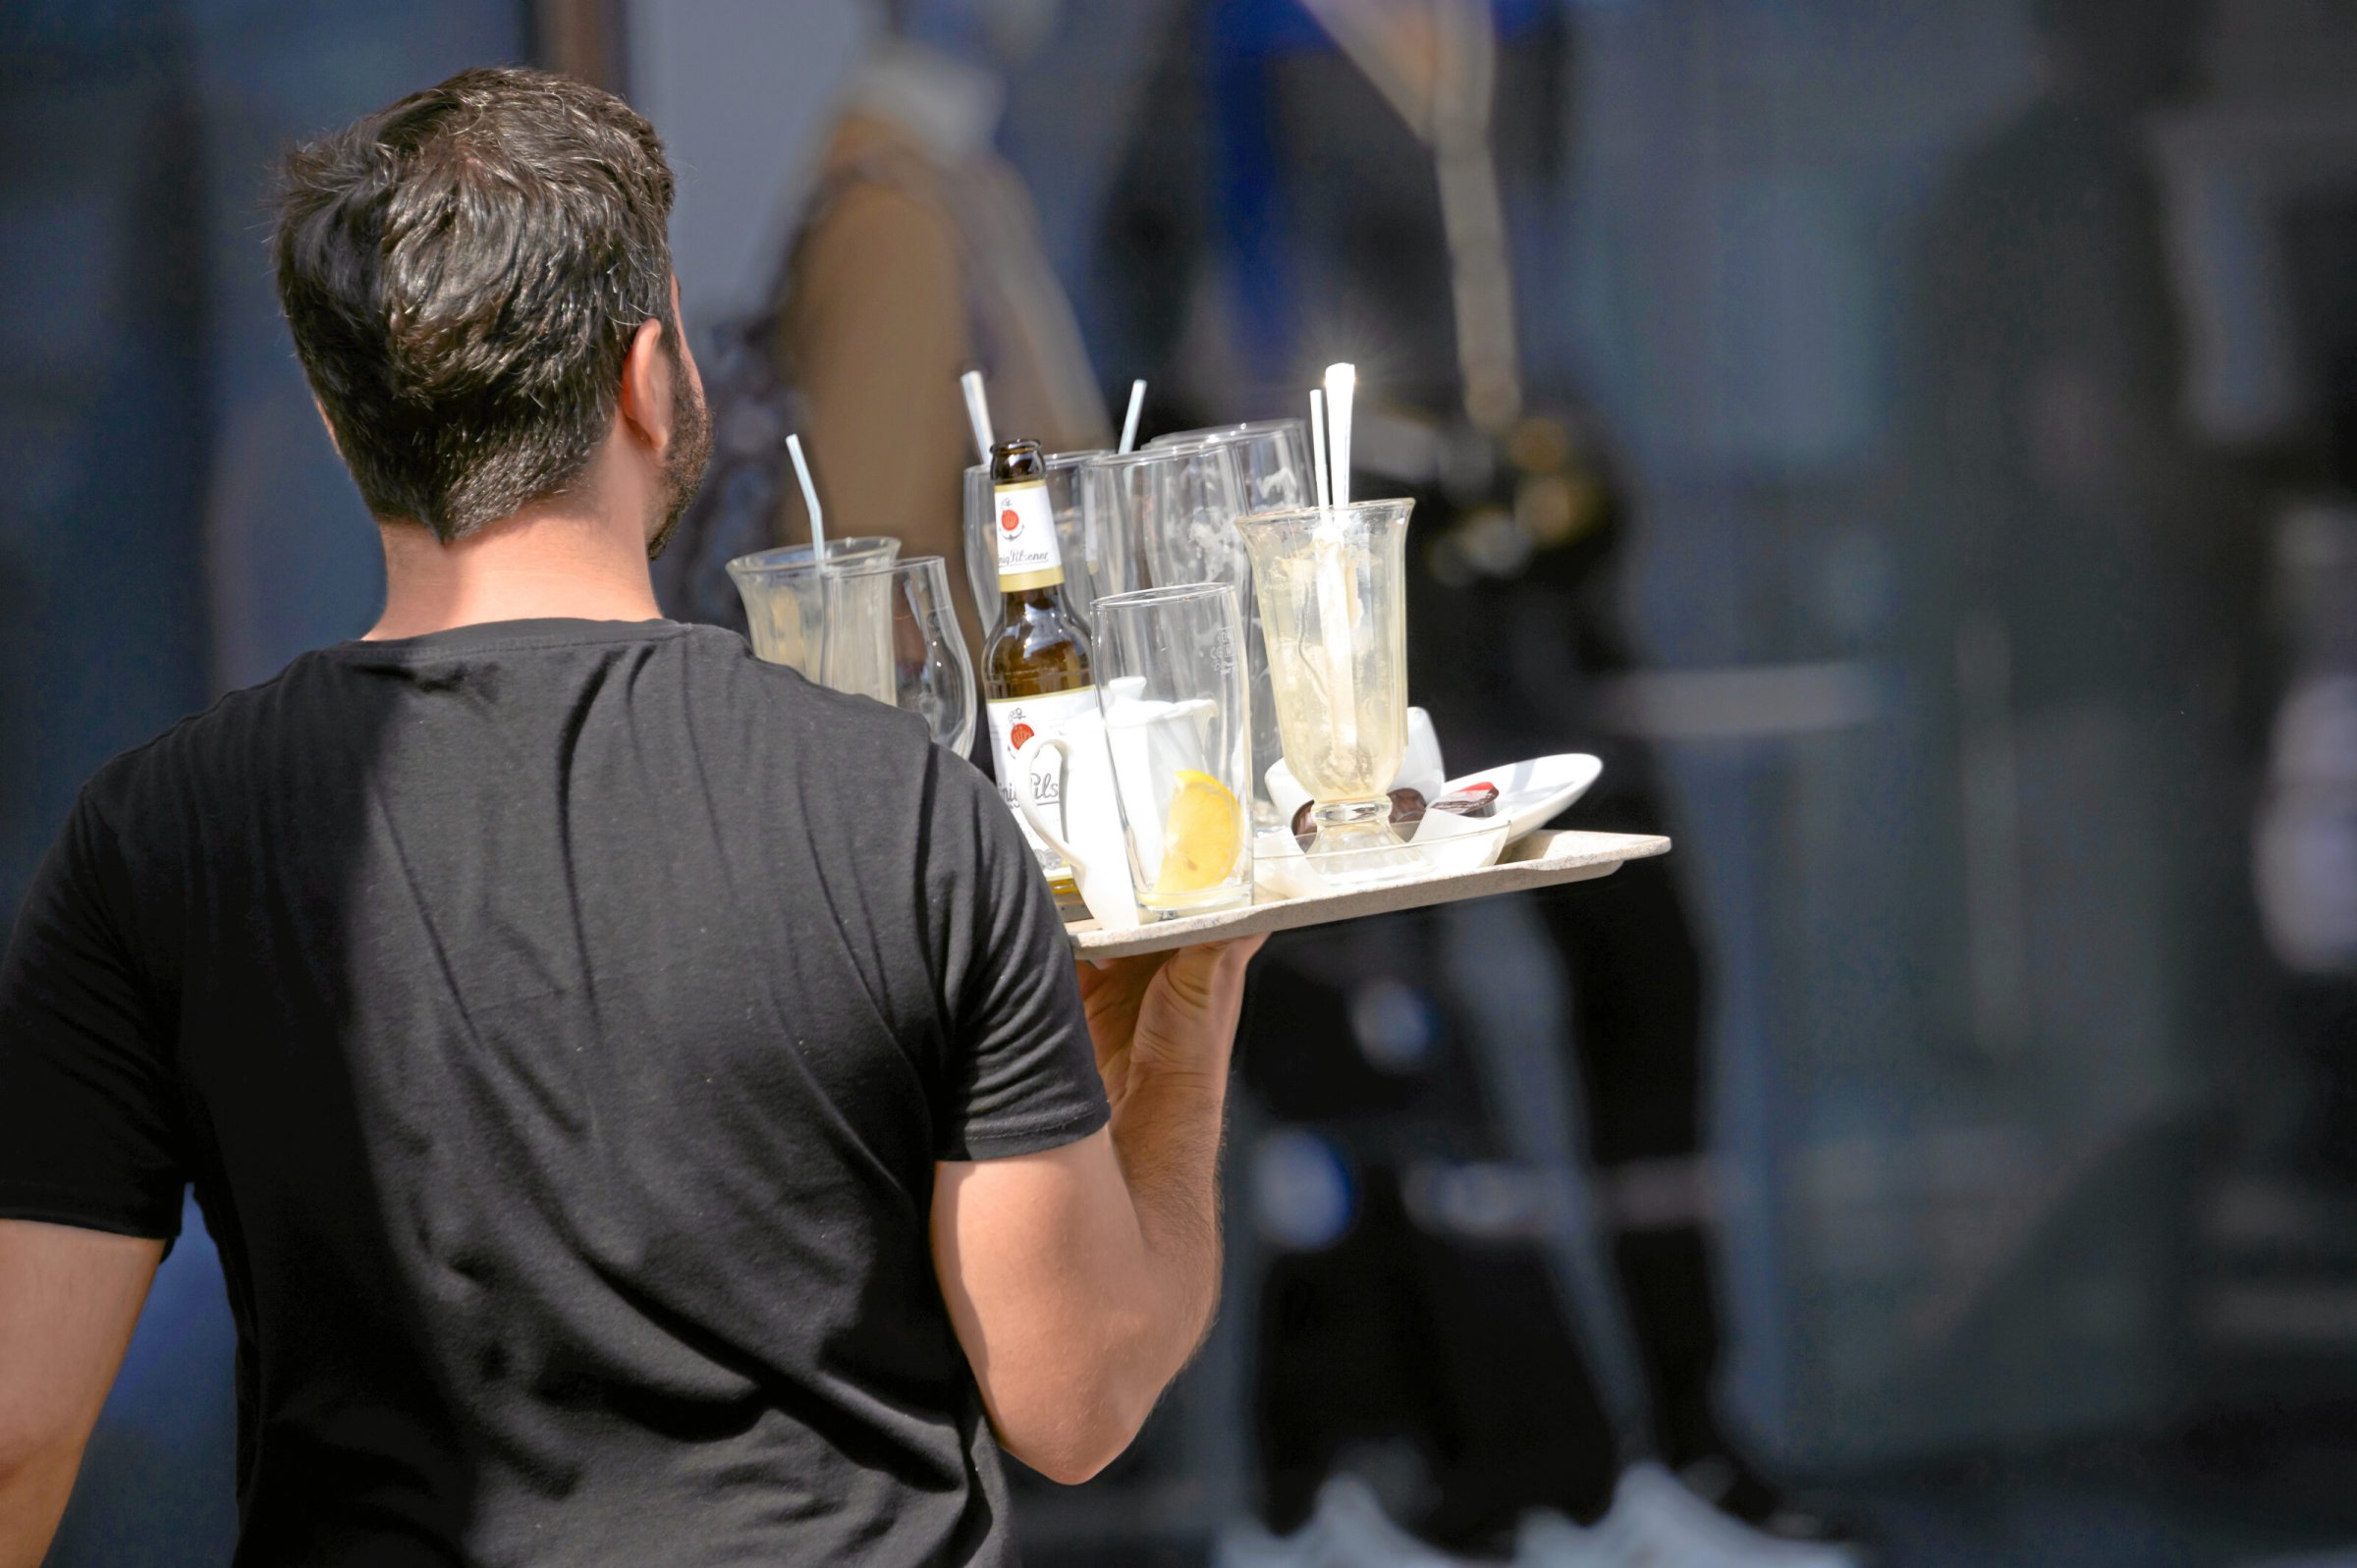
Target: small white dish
<point>1438,845</point>
<point>1531,794</point>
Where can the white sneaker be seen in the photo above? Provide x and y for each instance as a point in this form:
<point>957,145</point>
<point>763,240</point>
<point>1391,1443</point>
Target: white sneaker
<point>1248,1543</point>
<point>1348,1530</point>
<point>1657,1522</point>
<point>1355,1533</point>
<point>1547,1540</point>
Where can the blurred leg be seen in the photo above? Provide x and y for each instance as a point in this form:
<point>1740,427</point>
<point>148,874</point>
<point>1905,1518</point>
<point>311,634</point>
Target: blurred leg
<point>1636,990</point>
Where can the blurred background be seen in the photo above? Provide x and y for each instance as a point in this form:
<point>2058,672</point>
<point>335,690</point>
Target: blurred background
<point>1914,443</point>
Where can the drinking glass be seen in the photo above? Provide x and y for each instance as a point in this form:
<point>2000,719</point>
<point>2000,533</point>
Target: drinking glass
<point>932,675</point>
<point>1166,514</point>
<point>1272,460</point>
<point>1177,726</point>
<point>833,625</point>
<point>1091,563</point>
<point>1332,586</point>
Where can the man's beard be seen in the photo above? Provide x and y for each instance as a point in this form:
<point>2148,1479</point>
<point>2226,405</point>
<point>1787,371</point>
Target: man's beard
<point>691,451</point>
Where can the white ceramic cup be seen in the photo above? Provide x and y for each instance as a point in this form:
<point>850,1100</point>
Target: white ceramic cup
<point>1090,836</point>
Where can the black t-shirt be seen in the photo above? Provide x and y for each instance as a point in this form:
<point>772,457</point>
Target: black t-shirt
<point>560,1022</point>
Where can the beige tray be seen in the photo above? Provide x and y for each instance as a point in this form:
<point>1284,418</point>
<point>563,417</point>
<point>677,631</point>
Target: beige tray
<point>1543,859</point>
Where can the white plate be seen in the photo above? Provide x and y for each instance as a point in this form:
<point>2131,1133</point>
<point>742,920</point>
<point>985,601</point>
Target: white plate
<point>1530,793</point>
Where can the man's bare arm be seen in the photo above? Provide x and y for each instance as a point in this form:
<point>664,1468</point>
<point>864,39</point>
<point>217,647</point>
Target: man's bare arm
<point>1082,1279</point>
<point>69,1299</point>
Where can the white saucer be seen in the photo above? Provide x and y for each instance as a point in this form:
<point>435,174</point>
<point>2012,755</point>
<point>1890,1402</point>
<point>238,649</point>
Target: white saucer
<point>1530,793</point>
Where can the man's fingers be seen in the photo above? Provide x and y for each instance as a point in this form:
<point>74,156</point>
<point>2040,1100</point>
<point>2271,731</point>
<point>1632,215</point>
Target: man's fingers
<point>1095,974</point>
<point>1240,951</point>
<point>1205,981</point>
<point>1207,967</point>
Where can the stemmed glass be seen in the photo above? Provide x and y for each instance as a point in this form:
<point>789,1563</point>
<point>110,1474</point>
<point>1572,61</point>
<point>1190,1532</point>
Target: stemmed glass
<point>1333,591</point>
<point>832,625</point>
<point>932,675</point>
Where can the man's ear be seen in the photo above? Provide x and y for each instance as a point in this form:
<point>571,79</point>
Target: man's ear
<point>695,377</point>
<point>647,390</point>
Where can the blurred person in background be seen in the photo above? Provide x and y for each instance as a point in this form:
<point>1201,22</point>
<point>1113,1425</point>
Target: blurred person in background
<point>1284,202</point>
<point>918,257</point>
<point>643,1099</point>
<point>2089,580</point>
<point>2304,858</point>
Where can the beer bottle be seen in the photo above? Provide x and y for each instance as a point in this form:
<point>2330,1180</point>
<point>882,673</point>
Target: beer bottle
<point>1035,666</point>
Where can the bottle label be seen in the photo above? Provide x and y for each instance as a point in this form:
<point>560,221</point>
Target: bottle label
<point>1026,531</point>
<point>1015,719</point>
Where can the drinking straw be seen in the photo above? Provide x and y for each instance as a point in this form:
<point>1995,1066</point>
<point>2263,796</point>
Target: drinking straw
<point>1335,577</point>
<point>977,411</point>
<point>1342,381</point>
<point>1316,444</point>
<point>818,520</point>
<point>1137,403</point>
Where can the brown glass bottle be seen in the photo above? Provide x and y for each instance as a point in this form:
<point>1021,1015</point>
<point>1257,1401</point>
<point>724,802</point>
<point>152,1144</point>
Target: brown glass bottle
<point>1035,665</point>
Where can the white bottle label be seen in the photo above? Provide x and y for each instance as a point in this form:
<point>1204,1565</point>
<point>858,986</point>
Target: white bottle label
<point>1015,719</point>
<point>1026,531</point>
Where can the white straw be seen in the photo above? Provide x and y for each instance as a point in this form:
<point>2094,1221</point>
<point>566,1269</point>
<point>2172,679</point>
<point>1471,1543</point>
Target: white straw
<point>977,411</point>
<point>1137,403</point>
<point>1342,381</point>
<point>818,520</point>
<point>1317,444</point>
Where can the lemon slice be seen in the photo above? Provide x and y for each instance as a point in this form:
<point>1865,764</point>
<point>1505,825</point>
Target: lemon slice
<point>1203,833</point>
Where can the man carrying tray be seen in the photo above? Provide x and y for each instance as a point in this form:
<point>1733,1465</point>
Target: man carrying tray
<point>642,1099</point>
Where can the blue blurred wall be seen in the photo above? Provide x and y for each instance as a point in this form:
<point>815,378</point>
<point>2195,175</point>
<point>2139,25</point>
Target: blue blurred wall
<point>175,522</point>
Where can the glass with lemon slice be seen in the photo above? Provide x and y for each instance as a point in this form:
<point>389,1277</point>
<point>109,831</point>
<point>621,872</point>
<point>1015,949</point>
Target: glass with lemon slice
<point>1178,727</point>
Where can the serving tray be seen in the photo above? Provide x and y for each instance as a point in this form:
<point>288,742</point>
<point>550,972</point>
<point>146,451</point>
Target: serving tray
<point>1543,859</point>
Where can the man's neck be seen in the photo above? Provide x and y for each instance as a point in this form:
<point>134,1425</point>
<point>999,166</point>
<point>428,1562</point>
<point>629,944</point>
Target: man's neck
<point>545,561</point>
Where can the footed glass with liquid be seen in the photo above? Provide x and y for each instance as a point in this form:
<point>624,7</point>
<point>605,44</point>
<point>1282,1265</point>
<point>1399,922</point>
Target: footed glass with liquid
<point>1331,584</point>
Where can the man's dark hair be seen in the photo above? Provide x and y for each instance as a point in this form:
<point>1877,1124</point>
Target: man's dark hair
<point>463,272</point>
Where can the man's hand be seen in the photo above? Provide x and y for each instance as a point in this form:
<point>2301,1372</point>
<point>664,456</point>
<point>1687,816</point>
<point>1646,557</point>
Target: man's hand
<point>1082,1279</point>
<point>69,1299</point>
<point>1166,1017</point>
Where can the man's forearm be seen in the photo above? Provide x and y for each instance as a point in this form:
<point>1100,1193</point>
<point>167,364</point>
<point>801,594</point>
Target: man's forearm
<point>1082,1279</point>
<point>1168,1080</point>
<point>32,1500</point>
<point>1167,1137</point>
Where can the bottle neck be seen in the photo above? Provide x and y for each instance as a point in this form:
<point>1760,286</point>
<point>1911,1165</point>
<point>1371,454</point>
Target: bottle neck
<point>1034,595</point>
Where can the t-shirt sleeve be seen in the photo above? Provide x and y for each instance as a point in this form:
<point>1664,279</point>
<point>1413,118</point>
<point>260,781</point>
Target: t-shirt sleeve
<point>1019,1073</point>
<point>88,1118</point>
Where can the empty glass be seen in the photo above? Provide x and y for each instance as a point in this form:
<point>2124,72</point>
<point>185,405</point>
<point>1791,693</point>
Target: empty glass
<point>1092,563</point>
<point>1168,514</point>
<point>1271,457</point>
<point>932,675</point>
<point>1173,509</point>
<point>1332,592</point>
<point>1177,725</point>
<point>833,627</point>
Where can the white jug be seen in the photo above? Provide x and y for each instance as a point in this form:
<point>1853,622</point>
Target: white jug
<point>1081,816</point>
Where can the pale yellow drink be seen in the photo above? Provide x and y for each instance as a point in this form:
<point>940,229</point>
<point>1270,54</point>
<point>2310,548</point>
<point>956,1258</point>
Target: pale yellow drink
<point>1331,584</point>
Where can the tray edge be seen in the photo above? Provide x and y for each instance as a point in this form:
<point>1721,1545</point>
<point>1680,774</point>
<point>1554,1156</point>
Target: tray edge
<point>1522,871</point>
